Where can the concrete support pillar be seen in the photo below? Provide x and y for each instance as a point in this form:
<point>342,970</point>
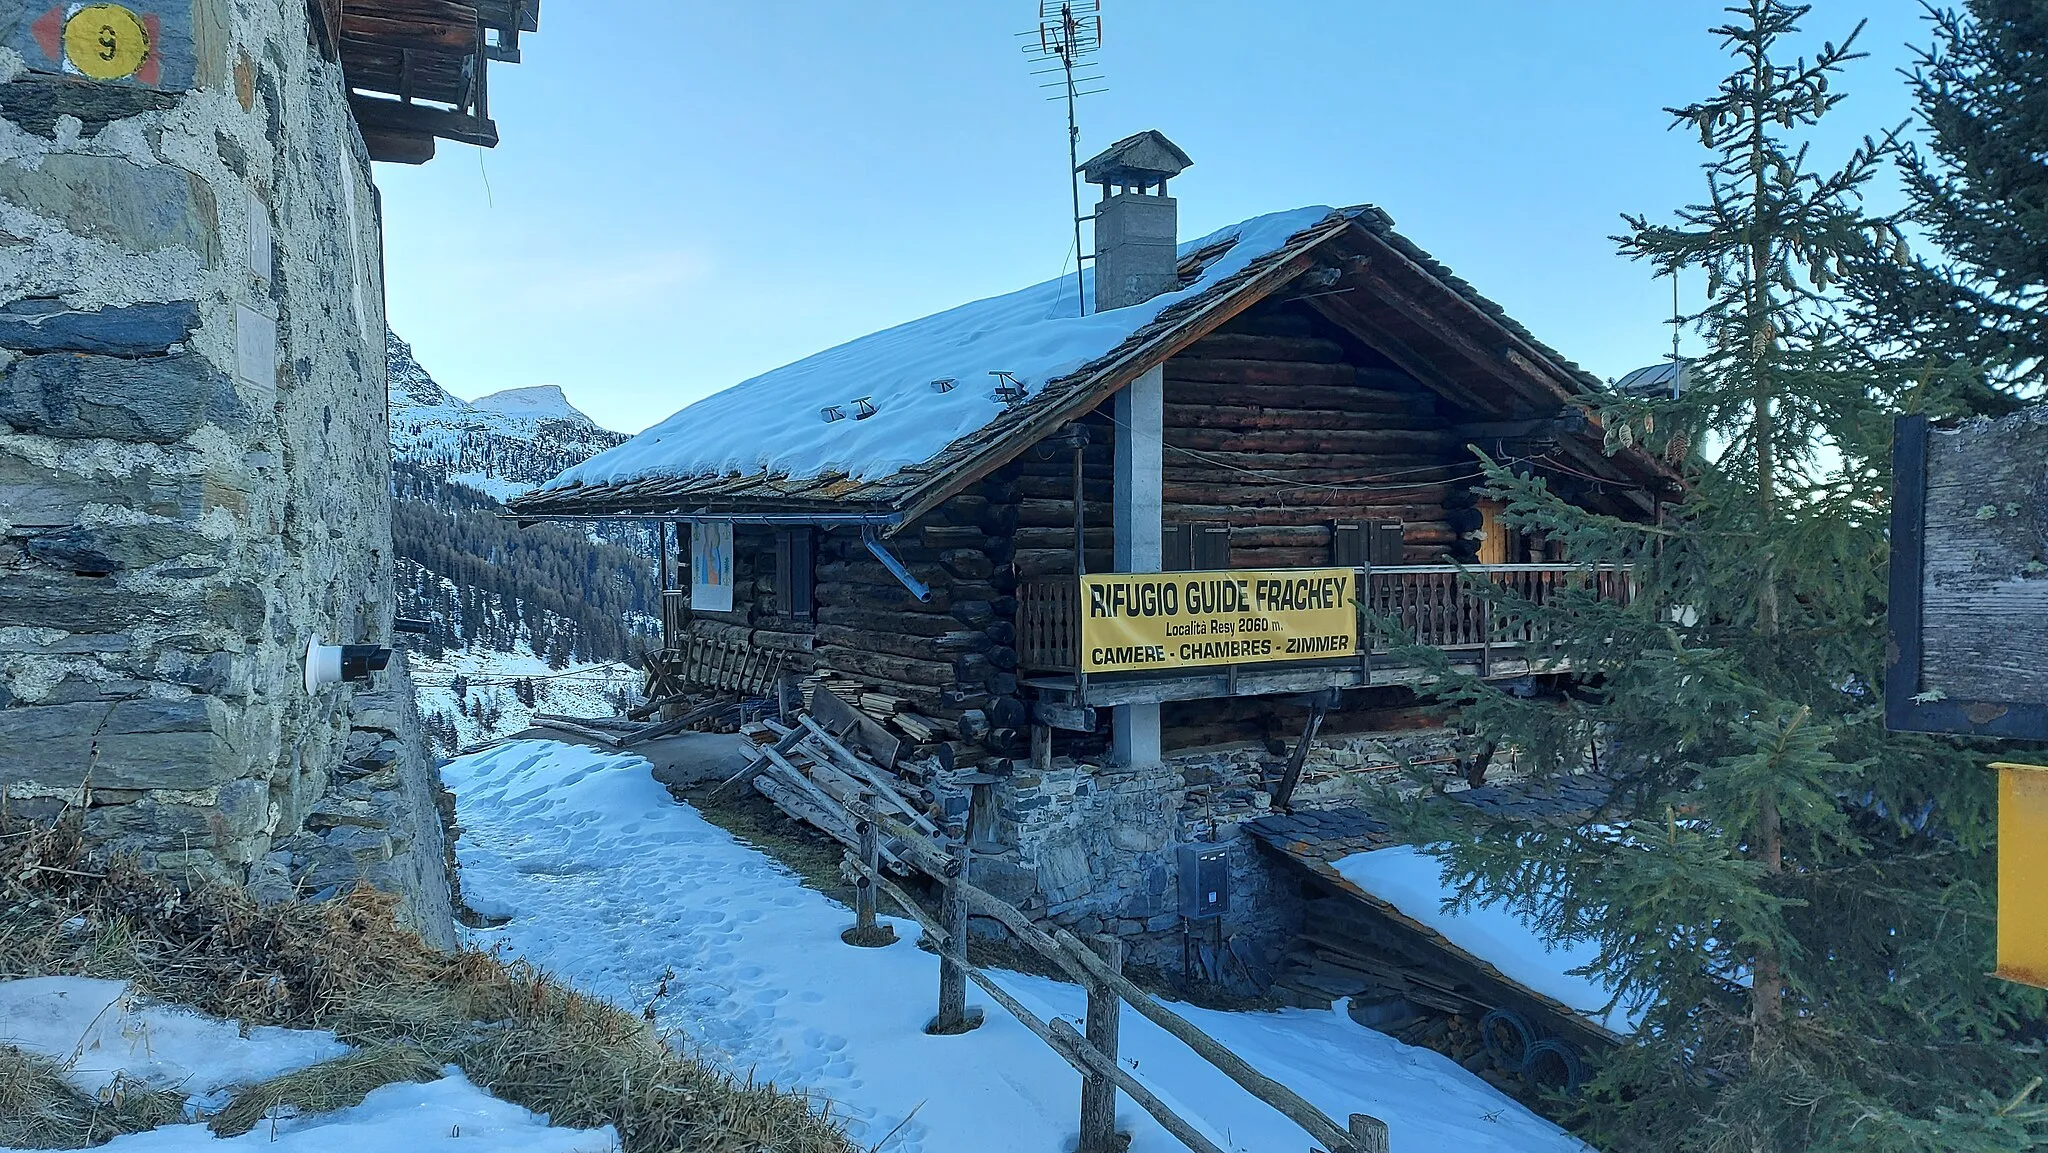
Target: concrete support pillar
<point>1139,507</point>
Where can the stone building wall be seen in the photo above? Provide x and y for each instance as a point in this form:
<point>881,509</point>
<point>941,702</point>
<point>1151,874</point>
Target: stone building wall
<point>185,498</point>
<point>1096,849</point>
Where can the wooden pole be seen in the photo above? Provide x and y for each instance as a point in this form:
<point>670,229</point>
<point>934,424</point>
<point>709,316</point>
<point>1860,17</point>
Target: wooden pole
<point>953,1016</point>
<point>867,933</point>
<point>1283,793</point>
<point>871,856</point>
<point>1085,1055</point>
<point>1284,1100</point>
<point>1098,1093</point>
<point>1369,1134</point>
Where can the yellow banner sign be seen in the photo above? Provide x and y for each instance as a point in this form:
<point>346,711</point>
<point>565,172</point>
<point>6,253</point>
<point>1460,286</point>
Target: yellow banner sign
<point>1133,622</point>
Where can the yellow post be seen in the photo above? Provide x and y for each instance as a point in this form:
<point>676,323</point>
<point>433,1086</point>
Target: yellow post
<point>2023,873</point>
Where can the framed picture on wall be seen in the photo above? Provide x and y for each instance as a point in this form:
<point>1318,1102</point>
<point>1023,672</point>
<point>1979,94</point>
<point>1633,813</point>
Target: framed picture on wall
<point>711,566</point>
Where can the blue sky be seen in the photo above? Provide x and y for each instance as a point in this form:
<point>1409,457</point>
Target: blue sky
<point>689,195</point>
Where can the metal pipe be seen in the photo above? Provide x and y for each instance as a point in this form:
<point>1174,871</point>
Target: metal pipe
<point>917,588</point>
<point>818,519</point>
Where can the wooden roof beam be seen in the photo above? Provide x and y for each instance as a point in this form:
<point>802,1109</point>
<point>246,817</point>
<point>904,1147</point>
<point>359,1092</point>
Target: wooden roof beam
<point>1516,351</point>
<point>392,116</point>
<point>1349,316</point>
<point>1010,443</point>
<point>393,147</point>
<point>1512,371</point>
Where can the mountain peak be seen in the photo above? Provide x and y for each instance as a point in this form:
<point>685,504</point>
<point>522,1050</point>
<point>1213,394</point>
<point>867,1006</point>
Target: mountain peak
<point>410,384</point>
<point>536,402</point>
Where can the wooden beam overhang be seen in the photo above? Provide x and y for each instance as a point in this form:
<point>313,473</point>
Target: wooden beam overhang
<point>392,116</point>
<point>417,70</point>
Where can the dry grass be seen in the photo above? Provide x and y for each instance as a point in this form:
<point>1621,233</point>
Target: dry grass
<point>40,1110</point>
<point>346,965</point>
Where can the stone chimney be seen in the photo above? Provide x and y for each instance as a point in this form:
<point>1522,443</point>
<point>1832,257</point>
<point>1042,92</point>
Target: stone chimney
<point>1136,223</point>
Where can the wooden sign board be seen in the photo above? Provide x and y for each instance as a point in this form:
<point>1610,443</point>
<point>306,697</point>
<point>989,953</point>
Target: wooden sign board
<point>1141,622</point>
<point>1968,651</point>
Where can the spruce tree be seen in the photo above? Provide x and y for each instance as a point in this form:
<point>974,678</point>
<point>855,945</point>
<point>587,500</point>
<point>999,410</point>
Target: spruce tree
<point>1797,903</point>
<point>1976,178</point>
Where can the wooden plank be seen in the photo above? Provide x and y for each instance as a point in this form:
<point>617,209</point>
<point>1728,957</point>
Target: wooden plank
<point>1980,616</point>
<point>390,115</point>
<point>839,717</point>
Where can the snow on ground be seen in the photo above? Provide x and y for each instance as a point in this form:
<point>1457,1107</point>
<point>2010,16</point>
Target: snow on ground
<point>1411,880</point>
<point>774,423</point>
<point>489,676</point>
<point>98,1031</point>
<point>611,884</point>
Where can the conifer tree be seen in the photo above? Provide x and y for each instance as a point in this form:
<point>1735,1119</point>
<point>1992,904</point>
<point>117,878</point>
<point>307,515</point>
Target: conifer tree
<point>1796,903</point>
<point>1977,185</point>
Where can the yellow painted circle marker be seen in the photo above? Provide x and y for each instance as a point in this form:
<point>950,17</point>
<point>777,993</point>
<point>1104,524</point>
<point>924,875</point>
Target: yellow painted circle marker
<point>105,41</point>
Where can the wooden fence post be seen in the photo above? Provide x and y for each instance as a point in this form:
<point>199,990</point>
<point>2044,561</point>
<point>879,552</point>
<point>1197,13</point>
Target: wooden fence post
<point>953,1016</point>
<point>1369,1134</point>
<point>1098,1094</point>
<point>866,932</point>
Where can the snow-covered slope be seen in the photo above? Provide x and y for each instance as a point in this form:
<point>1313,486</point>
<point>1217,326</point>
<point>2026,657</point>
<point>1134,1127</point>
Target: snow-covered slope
<point>103,1036</point>
<point>500,445</point>
<point>614,887</point>
<point>502,603</point>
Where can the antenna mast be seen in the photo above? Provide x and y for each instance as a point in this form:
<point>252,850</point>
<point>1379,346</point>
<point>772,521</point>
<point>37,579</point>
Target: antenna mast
<point>1068,32</point>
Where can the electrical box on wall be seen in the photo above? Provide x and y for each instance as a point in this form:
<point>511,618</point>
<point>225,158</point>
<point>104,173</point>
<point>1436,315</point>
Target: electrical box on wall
<point>1204,881</point>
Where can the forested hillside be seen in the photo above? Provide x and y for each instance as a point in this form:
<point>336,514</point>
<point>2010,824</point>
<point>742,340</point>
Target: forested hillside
<point>482,582</point>
<point>568,595</point>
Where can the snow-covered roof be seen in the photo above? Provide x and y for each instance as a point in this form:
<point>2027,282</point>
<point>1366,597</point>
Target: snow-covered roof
<point>1499,932</point>
<point>892,423</point>
<point>776,423</point>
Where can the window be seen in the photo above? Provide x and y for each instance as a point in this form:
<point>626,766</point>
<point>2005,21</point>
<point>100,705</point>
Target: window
<point>1195,547</point>
<point>1356,544</point>
<point>795,569</point>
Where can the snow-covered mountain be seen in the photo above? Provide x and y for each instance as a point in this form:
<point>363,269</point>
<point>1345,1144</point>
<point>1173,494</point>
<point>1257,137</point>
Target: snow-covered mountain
<point>548,610</point>
<point>501,445</point>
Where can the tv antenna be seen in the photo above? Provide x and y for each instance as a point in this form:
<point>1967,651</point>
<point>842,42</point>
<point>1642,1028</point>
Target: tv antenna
<point>1069,31</point>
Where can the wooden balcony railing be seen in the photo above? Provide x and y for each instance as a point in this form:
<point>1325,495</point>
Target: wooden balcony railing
<point>1049,624</point>
<point>1435,605</point>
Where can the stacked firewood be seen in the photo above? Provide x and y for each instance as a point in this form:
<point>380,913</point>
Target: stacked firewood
<point>814,776</point>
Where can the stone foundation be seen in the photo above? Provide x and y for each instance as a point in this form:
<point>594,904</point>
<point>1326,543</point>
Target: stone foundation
<point>1095,849</point>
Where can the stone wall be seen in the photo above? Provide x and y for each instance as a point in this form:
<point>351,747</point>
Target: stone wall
<point>1096,849</point>
<point>385,821</point>
<point>194,461</point>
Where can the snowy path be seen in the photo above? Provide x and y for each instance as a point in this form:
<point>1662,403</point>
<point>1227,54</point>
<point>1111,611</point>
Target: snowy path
<point>609,883</point>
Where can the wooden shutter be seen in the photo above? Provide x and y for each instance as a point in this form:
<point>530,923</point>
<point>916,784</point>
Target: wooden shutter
<point>1211,546</point>
<point>1384,544</point>
<point>794,567</point>
<point>1176,548</point>
<point>1347,544</point>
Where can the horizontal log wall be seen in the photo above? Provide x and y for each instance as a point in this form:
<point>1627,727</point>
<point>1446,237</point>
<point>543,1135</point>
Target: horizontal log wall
<point>952,653</point>
<point>754,620</point>
<point>1281,424</point>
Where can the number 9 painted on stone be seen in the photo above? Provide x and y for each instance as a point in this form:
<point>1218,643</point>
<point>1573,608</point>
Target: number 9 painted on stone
<point>105,41</point>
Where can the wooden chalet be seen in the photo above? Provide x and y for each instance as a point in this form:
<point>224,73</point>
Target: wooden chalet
<point>418,70</point>
<point>1318,407</point>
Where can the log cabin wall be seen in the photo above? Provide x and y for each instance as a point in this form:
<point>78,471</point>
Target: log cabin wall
<point>1280,425</point>
<point>952,655</point>
<point>756,619</point>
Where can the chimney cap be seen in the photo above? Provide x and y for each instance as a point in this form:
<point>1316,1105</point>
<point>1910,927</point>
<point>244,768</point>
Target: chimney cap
<point>1144,159</point>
